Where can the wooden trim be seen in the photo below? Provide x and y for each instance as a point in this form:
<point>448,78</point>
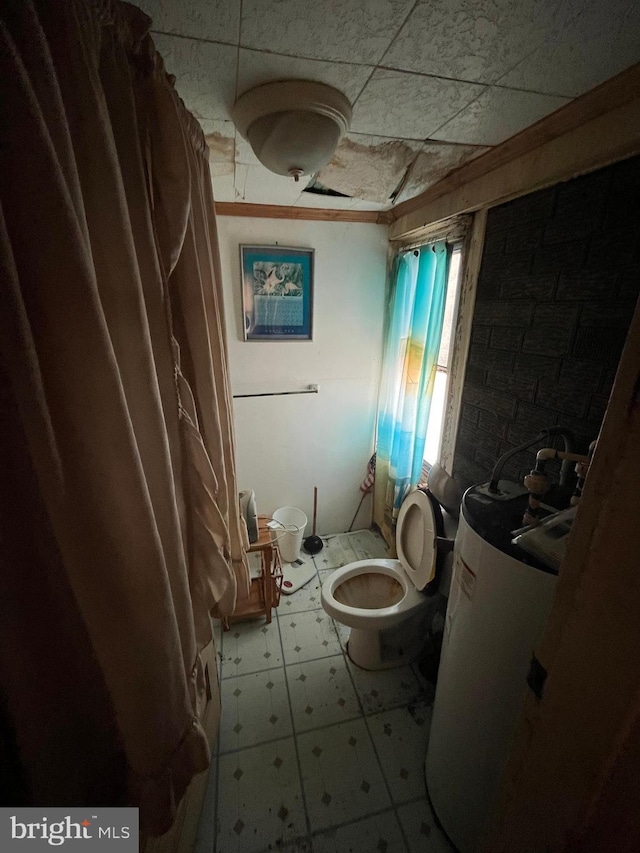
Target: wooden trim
<point>318,214</point>
<point>592,131</point>
<point>452,230</point>
<point>471,260</point>
<point>568,745</point>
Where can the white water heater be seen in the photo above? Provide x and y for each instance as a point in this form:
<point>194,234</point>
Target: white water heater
<point>499,602</point>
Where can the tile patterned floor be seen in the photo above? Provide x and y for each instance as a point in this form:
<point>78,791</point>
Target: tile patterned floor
<point>314,754</point>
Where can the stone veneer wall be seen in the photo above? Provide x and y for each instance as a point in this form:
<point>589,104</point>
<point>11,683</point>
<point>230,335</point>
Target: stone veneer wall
<point>558,285</point>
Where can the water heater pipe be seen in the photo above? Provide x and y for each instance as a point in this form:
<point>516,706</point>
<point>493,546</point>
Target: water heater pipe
<point>545,433</point>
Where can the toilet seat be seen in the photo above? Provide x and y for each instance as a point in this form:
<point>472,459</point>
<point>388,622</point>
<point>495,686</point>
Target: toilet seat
<point>360,617</point>
<point>416,533</point>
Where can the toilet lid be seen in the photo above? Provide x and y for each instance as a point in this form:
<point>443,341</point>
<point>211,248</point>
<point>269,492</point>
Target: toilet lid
<point>416,538</point>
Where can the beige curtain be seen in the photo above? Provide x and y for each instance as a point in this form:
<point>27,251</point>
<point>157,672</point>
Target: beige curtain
<point>119,524</point>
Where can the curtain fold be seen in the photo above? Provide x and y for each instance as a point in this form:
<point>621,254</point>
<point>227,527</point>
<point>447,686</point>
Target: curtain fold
<point>113,365</point>
<point>415,314</point>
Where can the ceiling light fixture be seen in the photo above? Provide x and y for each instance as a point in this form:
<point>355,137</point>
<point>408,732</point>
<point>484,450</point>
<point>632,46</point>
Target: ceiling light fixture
<point>293,126</point>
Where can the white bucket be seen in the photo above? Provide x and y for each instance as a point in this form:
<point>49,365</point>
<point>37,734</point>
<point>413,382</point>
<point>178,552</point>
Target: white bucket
<point>289,531</point>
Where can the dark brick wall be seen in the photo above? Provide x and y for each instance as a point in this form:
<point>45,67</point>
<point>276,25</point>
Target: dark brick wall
<point>558,284</point>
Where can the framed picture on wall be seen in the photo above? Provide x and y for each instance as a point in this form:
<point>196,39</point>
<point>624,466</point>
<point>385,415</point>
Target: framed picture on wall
<point>277,293</point>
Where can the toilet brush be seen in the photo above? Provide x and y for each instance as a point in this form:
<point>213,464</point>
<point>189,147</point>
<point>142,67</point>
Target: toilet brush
<point>313,544</point>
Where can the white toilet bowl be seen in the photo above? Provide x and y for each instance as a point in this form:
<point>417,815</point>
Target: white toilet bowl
<point>382,600</point>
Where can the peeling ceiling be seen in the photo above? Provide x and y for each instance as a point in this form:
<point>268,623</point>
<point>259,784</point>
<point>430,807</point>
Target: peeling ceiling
<point>433,83</point>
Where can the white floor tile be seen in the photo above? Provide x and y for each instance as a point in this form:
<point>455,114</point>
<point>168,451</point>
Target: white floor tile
<point>388,688</point>
<point>250,647</point>
<point>420,828</point>
<point>368,543</point>
<point>305,598</point>
<point>321,693</point>
<point>379,833</point>
<point>307,635</point>
<point>205,839</point>
<point>260,799</point>
<point>401,742</point>
<point>255,709</point>
<point>337,552</point>
<point>341,775</point>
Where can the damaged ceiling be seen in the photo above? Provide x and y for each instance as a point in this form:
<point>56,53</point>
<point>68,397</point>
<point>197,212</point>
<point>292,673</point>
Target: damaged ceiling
<point>433,83</point>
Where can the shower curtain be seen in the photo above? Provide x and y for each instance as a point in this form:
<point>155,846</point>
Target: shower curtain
<point>119,521</point>
<point>414,327</point>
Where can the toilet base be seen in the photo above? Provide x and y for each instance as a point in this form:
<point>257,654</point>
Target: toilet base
<point>375,650</point>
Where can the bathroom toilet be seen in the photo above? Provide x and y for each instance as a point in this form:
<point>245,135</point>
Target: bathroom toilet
<point>382,600</point>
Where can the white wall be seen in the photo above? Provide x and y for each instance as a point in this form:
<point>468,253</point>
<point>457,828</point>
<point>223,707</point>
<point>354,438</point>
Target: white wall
<point>287,445</point>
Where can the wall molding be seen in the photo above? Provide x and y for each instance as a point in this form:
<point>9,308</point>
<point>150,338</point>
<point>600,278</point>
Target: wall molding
<point>319,214</point>
<point>592,131</point>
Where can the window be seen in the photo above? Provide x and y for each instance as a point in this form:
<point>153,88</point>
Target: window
<point>436,414</point>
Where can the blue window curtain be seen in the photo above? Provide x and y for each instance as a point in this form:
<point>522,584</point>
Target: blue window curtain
<point>413,330</point>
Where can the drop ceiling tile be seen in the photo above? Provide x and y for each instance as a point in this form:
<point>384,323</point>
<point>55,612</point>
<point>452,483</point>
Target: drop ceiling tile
<point>244,152</point>
<point>368,167</point>
<point>221,154</point>
<point>257,67</point>
<point>223,187</point>
<point>434,162</point>
<point>220,137</point>
<point>409,106</point>
<point>205,73</point>
<point>348,31</point>
<point>479,40</point>
<point>218,20</point>
<point>359,204</point>
<point>497,115</point>
<point>216,125</point>
<point>603,40</point>
<point>257,185</point>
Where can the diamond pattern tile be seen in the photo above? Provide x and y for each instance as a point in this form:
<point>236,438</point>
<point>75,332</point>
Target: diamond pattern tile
<point>250,806</point>
<point>401,742</point>
<point>379,833</point>
<point>339,771</point>
<point>312,637</point>
<point>420,828</point>
<point>337,552</point>
<point>245,647</point>
<point>322,696</point>
<point>265,700</point>
<point>255,709</point>
<point>390,688</point>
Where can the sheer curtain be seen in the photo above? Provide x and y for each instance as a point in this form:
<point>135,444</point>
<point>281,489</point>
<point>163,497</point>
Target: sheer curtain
<point>119,521</point>
<point>414,327</point>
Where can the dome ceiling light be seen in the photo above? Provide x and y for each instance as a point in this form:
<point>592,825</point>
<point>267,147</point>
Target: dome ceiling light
<point>293,126</point>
